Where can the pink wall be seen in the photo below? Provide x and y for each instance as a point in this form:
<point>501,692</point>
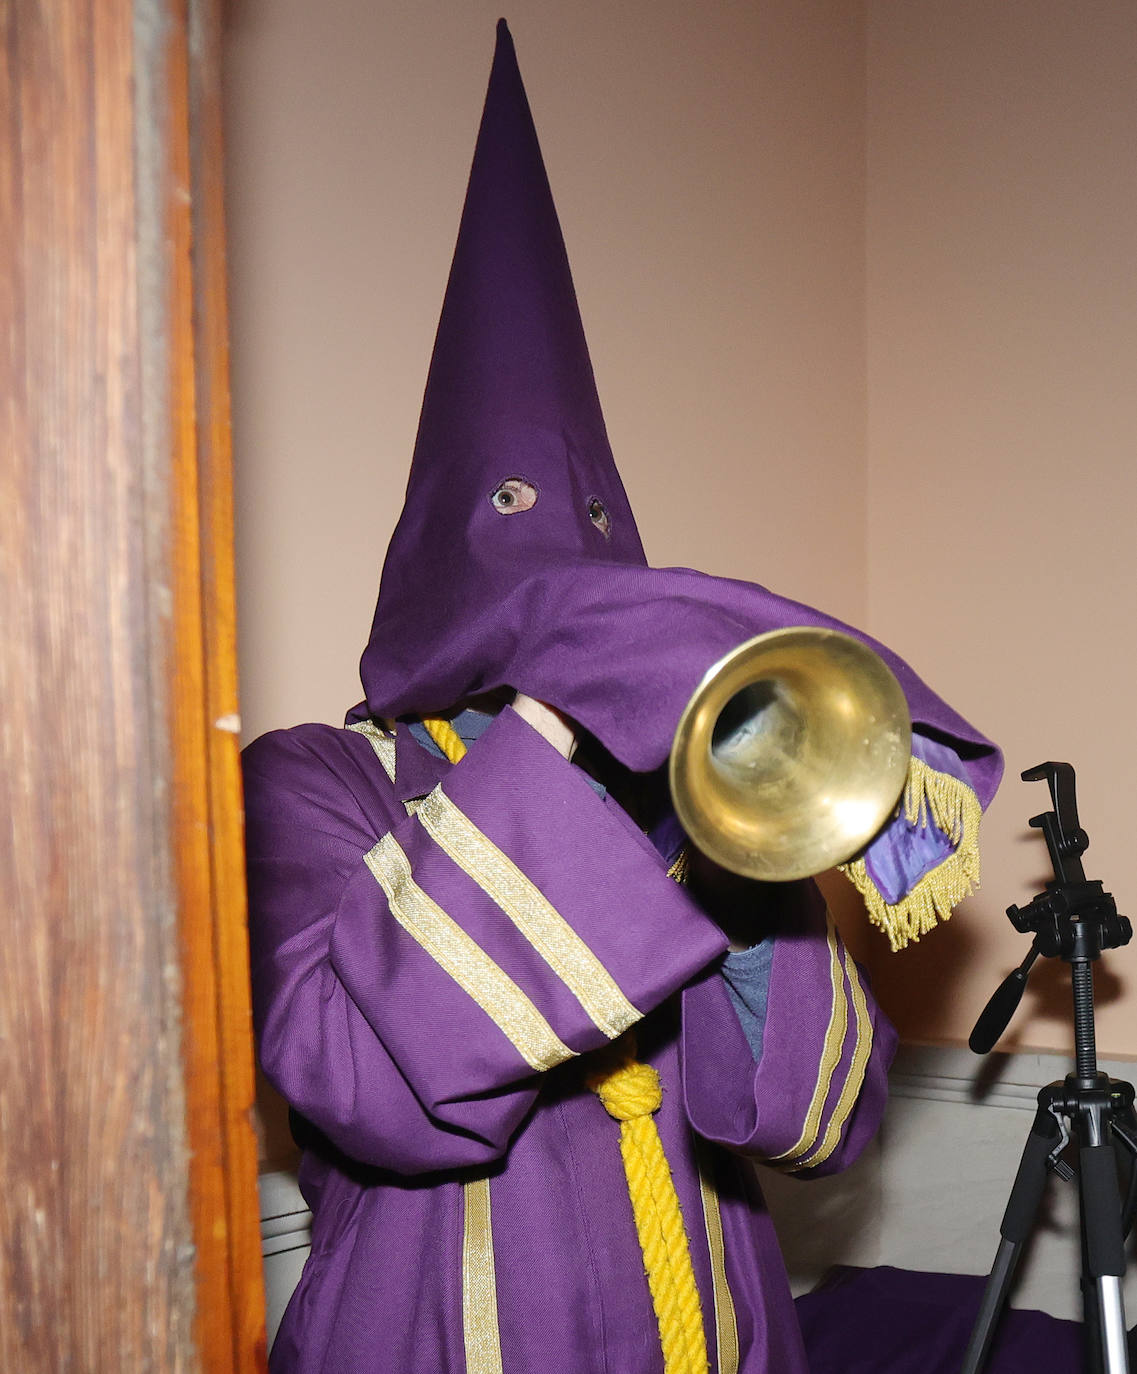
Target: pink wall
<point>911,339</point>
<point>1002,422</point>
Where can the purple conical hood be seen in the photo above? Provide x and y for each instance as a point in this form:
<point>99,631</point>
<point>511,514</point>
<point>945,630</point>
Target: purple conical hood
<point>511,394</point>
<point>555,600</point>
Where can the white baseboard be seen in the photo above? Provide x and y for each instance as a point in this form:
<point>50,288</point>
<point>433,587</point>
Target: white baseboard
<point>286,1236</point>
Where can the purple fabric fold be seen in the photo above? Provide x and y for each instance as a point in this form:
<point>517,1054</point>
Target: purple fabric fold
<point>898,1321</point>
<point>599,640</point>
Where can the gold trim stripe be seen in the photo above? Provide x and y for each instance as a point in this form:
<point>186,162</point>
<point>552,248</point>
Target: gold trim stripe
<point>531,912</point>
<point>726,1323</point>
<point>383,745</point>
<point>464,960</point>
<point>830,1055</point>
<point>856,1076</point>
<point>481,1336</point>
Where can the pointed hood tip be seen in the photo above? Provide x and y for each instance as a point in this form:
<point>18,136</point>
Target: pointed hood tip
<point>504,46</point>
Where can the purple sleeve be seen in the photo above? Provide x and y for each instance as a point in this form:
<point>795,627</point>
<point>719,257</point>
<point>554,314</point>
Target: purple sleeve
<point>815,1098</point>
<point>414,975</point>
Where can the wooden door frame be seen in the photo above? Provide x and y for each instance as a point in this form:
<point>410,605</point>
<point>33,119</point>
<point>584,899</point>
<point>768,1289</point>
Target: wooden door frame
<point>129,1234</point>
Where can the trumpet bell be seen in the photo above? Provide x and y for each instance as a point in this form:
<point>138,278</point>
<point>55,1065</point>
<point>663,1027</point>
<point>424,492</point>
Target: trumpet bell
<point>791,754</point>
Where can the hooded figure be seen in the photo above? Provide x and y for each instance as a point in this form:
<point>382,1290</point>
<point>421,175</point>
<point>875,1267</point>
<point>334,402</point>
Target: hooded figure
<point>454,951</point>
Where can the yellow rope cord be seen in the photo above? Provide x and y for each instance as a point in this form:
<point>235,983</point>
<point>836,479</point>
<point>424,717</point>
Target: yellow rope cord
<point>631,1093</point>
<point>445,736</point>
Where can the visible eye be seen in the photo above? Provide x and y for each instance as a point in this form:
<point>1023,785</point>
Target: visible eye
<point>598,514</point>
<point>513,495</point>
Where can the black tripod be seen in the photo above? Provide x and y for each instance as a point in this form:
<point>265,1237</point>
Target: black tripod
<point>1074,920</point>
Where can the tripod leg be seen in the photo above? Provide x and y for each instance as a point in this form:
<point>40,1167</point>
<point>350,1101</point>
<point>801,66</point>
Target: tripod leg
<point>1093,1358</point>
<point>1104,1254</point>
<point>1124,1127</point>
<point>1018,1219</point>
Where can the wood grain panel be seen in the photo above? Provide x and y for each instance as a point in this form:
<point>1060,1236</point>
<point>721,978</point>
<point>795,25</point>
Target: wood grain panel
<point>96,1251</point>
<point>125,1062</point>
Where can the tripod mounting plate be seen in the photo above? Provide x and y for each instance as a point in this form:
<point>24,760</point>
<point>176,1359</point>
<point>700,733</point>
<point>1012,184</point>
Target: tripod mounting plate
<point>1074,918</point>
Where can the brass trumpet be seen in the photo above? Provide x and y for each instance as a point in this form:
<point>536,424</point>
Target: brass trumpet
<point>791,754</point>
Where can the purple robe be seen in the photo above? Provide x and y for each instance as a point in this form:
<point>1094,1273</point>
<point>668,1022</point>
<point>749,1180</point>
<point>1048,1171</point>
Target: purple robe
<point>428,1000</point>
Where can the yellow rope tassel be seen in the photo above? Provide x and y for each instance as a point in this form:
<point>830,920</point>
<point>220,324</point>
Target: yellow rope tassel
<point>630,1093</point>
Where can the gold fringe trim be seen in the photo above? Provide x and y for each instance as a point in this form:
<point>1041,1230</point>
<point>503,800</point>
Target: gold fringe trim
<point>680,869</point>
<point>955,811</point>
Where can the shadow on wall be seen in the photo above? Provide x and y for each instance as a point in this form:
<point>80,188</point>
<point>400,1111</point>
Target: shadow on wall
<point>939,986</point>
<point>933,969</point>
<point>827,1222</point>
<point>277,1148</point>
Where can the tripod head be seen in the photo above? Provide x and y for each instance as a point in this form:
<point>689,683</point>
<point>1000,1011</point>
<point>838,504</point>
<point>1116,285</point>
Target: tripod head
<point>1073,919</point>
